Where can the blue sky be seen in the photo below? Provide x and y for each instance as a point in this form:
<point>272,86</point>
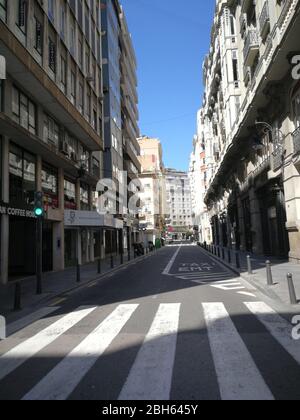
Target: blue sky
<point>171,38</point>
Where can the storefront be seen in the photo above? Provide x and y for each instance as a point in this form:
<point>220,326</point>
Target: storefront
<point>21,240</point>
<point>89,235</point>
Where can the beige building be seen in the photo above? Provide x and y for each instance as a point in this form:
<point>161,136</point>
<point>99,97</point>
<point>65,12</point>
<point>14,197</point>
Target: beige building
<point>251,117</point>
<point>153,194</point>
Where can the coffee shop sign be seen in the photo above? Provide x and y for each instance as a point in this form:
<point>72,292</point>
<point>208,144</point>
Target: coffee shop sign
<point>12,211</point>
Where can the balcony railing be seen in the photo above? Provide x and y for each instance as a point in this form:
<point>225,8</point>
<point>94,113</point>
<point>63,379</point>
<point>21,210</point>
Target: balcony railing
<point>264,20</point>
<point>243,22</point>
<point>251,47</point>
<point>247,75</point>
<point>296,139</point>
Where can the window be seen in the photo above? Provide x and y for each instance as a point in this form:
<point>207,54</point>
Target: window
<point>52,55</point>
<point>63,74</point>
<point>50,186</point>
<point>73,87</point>
<point>84,157</point>
<point>80,98</point>
<point>87,26</point>
<point>3,10</point>
<point>62,19</point>
<point>22,15</point>
<point>51,9</point>
<point>72,37</point>
<point>88,104</point>
<point>38,42</point>
<point>96,167</point>
<point>22,169</point>
<point>70,194</point>
<point>51,131</point>
<point>84,197</point>
<point>80,53</point>
<point>23,111</point>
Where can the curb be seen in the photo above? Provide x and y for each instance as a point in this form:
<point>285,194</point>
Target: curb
<point>65,293</point>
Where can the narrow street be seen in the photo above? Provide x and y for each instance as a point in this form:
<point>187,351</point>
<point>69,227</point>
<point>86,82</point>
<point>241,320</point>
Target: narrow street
<point>175,326</point>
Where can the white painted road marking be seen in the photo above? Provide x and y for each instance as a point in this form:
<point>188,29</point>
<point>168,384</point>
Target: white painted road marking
<point>280,329</point>
<point>151,375</point>
<point>247,294</point>
<point>29,319</point>
<point>170,265</point>
<point>228,286</point>
<point>24,351</point>
<point>64,378</point>
<point>238,376</point>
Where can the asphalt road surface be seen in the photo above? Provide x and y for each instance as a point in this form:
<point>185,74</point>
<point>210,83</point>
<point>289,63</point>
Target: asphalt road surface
<point>175,326</point>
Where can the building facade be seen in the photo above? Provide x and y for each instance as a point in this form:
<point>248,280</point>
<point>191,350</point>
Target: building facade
<point>51,131</point>
<point>179,206</point>
<point>251,120</point>
<point>152,194</point>
<point>198,172</point>
<point>121,163</point>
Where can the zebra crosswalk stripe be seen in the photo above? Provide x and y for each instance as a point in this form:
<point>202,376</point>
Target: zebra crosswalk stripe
<point>63,379</point>
<point>280,329</point>
<point>151,375</point>
<point>238,376</point>
<point>27,349</point>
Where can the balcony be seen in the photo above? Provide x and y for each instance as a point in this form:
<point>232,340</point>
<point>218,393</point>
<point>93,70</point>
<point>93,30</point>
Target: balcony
<point>243,22</point>
<point>251,48</point>
<point>247,75</point>
<point>264,20</point>
<point>296,140</point>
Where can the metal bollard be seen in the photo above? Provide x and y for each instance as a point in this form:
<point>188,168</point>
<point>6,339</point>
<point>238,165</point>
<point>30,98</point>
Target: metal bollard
<point>111,261</point>
<point>229,256</point>
<point>223,254</point>
<point>249,265</point>
<point>129,255</point>
<point>269,274</point>
<point>78,274</point>
<point>219,254</point>
<point>237,260</point>
<point>99,266</point>
<point>17,302</point>
<point>292,292</point>
<point>121,258</point>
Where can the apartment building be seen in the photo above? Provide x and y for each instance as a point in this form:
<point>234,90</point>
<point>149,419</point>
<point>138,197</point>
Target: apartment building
<point>252,124</point>
<point>121,163</point>
<point>178,199</point>
<point>198,171</point>
<point>152,193</point>
<point>51,132</point>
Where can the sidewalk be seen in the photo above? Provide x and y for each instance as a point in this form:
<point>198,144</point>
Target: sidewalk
<point>55,284</point>
<point>280,270</point>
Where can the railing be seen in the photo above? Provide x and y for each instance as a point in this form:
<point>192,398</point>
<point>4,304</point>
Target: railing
<point>264,18</point>
<point>243,22</point>
<point>252,41</point>
<point>247,75</point>
<point>296,139</point>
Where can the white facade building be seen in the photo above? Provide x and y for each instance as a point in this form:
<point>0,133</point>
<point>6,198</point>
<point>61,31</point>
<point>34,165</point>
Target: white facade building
<point>251,127</point>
